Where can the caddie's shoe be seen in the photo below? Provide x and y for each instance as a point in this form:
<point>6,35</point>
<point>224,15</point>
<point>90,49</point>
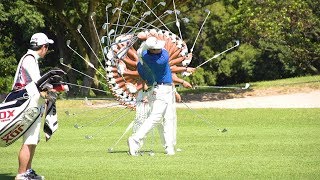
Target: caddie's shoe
<point>33,175</point>
<point>22,176</point>
<point>169,151</point>
<point>133,146</point>
<point>30,174</point>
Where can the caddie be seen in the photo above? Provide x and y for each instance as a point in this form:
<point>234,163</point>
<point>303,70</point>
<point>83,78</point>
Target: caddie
<point>28,71</point>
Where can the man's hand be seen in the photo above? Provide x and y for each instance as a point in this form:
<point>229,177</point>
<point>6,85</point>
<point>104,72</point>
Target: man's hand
<point>145,86</point>
<point>190,69</point>
<point>49,95</point>
<point>186,84</point>
<point>178,97</point>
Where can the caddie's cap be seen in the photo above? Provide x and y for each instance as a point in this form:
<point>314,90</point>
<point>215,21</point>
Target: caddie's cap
<point>40,39</point>
<point>154,43</point>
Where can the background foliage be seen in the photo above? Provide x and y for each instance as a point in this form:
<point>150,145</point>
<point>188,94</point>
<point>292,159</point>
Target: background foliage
<point>277,39</point>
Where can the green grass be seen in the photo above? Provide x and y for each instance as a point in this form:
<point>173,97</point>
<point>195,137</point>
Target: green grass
<point>312,82</point>
<point>259,144</point>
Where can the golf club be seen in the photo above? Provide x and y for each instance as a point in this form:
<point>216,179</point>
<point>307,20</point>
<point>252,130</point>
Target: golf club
<point>104,25</point>
<point>61,62</point>
<point>125,132</point>
<point>89,63</point>
<point>177,20</point>
<point>208,13</point>
<point>79,31</point>
<point>247,85</point>
<point>204,120</point>
<point>108,125</point>
<point>217,55</point>
<point>154,14</point>
<point>77,126</point>
<point>96,31</point>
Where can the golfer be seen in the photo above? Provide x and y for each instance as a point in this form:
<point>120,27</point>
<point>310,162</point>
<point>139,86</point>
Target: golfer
<point>28,71</point>
<point>157,59</point>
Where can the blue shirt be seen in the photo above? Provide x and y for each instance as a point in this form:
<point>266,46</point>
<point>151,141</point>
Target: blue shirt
<point>159,66</point>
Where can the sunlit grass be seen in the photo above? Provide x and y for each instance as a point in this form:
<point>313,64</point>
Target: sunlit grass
<point>259,144</point>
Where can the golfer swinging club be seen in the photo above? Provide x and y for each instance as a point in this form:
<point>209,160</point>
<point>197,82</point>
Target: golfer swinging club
<point>157,59</point>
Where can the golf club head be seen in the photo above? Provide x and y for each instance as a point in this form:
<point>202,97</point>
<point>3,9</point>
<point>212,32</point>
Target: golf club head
<point>246,86</point>
<point>79,27</point>
<point>146,14</point>
<point>102,39</point>
<point>186,20</point>
<point>77,126</point>
<point>114,10</point>
<point>61,62</point>
<point>110,150</point>
<point>151,153</point>
<point>108,6</point>
<point>162,3</point>
<point>92,14</point>
<point>169,11</point>
<point>123,1</point>
<point>224,130</point>
<point>207,11</point>
<point>88,136</point>
<point>177,11</point>
<point>179,150</point>
<point>104,26</point>
<point>111,32</point>
<point>237,43</point>
<point>68,43</point>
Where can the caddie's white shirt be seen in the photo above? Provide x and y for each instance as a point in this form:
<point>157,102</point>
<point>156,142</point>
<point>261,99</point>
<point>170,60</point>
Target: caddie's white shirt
<point>28,69</point>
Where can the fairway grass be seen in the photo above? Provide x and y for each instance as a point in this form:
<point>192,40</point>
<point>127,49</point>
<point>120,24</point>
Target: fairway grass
<point>259,144</point>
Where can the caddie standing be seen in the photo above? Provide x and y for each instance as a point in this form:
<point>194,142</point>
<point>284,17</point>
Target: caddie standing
<point>28,71</point>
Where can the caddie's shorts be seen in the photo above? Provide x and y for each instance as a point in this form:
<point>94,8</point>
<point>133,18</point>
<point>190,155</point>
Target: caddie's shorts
<point>32,135</point>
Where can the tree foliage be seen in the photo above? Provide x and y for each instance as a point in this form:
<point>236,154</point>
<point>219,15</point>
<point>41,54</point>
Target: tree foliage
<point>287,33</point>
<point>277,38</point>
<point>18,21</point>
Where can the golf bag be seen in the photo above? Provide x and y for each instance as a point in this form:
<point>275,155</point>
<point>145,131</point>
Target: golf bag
<point>20,109</point>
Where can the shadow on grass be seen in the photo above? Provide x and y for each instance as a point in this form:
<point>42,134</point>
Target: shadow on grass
<point>113,151</point>
<point>126,152</point>
<point>7,176</point>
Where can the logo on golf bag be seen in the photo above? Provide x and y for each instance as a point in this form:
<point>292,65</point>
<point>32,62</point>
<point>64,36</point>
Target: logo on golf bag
<point>12,134</point>
<point>6,115</point>
<point>31,114</point>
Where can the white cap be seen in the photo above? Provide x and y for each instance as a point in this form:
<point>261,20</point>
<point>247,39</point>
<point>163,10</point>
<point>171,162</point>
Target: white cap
<point>154,43</point>
<point>40,39</point>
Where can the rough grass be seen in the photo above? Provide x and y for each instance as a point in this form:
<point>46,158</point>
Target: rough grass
<point>259,144</point>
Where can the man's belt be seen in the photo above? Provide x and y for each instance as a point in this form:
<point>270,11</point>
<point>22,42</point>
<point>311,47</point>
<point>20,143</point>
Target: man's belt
<point>165,84</point>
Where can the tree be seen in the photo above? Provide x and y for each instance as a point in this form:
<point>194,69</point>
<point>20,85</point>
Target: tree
<point>18,21</point>
<point>287,32</point>
<point>63,18</point>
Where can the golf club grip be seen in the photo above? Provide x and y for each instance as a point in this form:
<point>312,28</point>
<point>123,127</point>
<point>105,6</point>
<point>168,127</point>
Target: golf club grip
<point>49,74</point>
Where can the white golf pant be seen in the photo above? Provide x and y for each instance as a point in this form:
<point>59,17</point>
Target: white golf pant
<point>161,107</point>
